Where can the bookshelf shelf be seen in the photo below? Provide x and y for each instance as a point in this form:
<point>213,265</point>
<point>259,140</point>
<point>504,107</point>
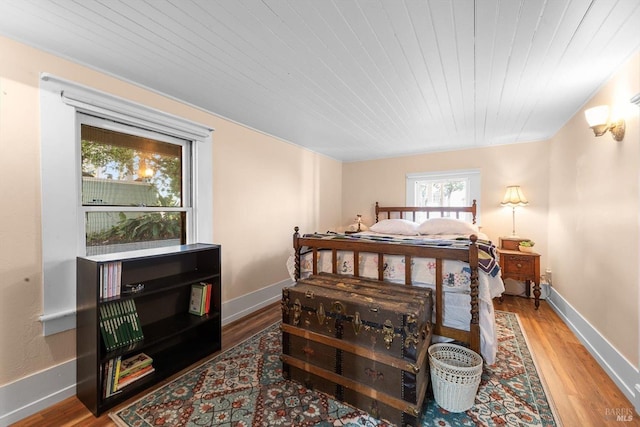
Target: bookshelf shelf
<point>172,337</point>
<point>164,284</point>
<point>163,330</point>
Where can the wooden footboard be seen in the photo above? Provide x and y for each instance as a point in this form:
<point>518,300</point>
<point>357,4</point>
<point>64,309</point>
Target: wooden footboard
<point>467,254</point>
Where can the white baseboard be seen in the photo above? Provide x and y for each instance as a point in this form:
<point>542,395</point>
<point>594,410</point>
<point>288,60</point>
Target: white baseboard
<point>621,371</point>
<point>244,305</point>
<point>38,391</point>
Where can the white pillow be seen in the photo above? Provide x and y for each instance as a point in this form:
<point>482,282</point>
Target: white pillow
<point>447,226</point>
<point>396,226</point>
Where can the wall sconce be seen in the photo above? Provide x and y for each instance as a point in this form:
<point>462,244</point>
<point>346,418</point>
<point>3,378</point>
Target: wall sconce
<point>514,197</point>
<point>598,119</point>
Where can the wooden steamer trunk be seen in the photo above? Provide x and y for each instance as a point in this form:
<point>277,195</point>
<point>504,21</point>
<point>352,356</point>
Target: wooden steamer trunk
<point>363,341</point>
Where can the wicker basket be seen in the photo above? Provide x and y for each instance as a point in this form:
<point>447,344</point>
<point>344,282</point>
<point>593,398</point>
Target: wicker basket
<point>455,376</point>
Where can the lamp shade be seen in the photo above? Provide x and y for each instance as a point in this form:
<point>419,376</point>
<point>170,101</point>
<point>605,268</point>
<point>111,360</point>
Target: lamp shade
<point>514,197</point>
<point>597,116</point>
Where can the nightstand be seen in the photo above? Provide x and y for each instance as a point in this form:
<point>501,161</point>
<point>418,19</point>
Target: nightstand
<point>522,266</point>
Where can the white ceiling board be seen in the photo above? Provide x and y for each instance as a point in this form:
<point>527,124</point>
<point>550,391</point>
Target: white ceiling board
<point>352,79</point>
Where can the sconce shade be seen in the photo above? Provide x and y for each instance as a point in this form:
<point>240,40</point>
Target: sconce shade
<point>597,116</point>
<point>514,197</point>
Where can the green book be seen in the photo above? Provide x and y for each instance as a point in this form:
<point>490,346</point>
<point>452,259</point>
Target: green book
<point>115,325</point>
<point>111,324</point>
<point>105,329</point>
<point>134,363</point>
<point>135,320</point>
<point>125,326</point>
<point>198,299</point>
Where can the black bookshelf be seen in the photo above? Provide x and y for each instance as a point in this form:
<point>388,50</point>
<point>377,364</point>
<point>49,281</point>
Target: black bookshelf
<point>173,337</point>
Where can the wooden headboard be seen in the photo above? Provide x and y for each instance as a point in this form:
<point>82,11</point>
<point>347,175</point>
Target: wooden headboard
<point>404,211</point>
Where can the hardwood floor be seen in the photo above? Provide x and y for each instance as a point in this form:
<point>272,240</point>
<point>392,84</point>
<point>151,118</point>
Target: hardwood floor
<point>582,392</point>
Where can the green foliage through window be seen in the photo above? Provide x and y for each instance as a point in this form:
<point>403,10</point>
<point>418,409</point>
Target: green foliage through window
<point>145,227</point>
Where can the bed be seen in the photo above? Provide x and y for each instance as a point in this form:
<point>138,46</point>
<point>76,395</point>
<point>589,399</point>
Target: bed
<point>445,251</point>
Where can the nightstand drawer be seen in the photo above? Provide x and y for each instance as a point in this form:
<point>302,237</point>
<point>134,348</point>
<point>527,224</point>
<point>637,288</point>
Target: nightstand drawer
<point>523,266</point>
<point>516,264</point>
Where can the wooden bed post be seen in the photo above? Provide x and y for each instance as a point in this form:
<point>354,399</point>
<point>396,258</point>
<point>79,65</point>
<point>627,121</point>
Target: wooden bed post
<point>377,211</point>
<point>296,250</point>
<point>474,326</point>
<point>474,211</point>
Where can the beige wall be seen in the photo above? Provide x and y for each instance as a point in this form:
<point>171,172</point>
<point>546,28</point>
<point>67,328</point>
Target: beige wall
<point>384,181</point>
<point>262,188</point>
<point>593,216</point>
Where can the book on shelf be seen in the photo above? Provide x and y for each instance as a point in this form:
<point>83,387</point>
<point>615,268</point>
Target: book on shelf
<point>110,278</point>
<point>110,333</point>
<point>197,302</point>
<point>134,376</point>
<point>105,329</point>
<point>119,373</point>
<point>125,328</point>
<point>116,374</point>
<point>110,370</point>
<point>207,304</point>
<point>133,369</point>
<point>132,313</point>
<point>119,324</point>
<point>134,363</point>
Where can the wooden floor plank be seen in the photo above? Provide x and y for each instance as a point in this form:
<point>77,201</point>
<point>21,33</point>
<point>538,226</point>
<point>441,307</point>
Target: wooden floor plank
<point>582,392</point>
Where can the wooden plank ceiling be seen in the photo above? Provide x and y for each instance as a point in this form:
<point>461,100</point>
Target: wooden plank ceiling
<point>352,79</point>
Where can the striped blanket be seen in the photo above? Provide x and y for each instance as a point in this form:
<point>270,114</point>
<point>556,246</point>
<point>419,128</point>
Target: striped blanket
<point>486,250</point>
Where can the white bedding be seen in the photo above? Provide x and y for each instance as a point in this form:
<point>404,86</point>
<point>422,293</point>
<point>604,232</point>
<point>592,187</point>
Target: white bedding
<point>456,280</point>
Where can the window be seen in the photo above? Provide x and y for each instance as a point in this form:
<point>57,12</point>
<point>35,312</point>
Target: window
<point>135,187</point>
<point>185,197</point>
<point>446,188</point>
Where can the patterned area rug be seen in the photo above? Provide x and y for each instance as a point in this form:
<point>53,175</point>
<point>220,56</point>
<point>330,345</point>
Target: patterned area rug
<point>243,386</point>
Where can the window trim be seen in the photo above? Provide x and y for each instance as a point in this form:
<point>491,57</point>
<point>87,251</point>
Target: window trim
<point>60,102</point>
<point>472,174</point>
